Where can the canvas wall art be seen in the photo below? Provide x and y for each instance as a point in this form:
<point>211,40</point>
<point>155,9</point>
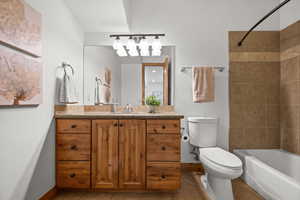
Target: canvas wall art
<point>20,26</point>
<point>20,79</point>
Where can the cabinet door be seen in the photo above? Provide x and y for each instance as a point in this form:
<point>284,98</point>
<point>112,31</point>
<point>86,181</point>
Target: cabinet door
<point>132,136</point>
<point>105,154</point>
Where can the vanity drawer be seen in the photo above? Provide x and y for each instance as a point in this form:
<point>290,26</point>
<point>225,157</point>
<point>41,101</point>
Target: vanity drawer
<point>163,147</point>
<point>73,174</point>
<point>73,146</point>
<point>163,126</point>
<point>163,175</point>
<point>73,126</point>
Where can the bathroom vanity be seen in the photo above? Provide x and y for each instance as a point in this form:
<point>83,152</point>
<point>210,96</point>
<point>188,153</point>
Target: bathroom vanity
<point>118,151</point>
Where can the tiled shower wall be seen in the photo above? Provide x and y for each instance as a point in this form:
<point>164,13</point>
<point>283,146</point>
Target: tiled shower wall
<point>254,90</point>
<point>290,88</point>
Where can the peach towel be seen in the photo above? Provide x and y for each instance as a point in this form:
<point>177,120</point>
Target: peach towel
<point>203,84</point>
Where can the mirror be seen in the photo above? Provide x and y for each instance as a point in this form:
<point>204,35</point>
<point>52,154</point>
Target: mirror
<point>109,78</point>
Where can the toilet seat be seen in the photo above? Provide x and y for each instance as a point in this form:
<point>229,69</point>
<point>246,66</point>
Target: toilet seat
<point>221,157</point>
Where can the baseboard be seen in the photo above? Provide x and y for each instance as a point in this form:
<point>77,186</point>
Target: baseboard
<point>50,194</point>
<point>193,167</point>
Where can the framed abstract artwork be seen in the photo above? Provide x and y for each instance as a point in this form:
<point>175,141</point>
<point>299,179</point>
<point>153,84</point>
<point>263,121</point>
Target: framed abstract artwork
<point>20,27</point>
<point>20,79</point>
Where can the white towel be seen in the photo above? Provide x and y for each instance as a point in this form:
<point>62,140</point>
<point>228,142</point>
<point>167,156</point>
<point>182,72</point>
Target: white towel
<point>67,92</point>
<point>102,92</point>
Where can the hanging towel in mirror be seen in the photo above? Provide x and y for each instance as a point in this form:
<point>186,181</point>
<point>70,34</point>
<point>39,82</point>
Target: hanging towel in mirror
<point>67,91</point>
<point>102,92</point>
<point>203,84</point>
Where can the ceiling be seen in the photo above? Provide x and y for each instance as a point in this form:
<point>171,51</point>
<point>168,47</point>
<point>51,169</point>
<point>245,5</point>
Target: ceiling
<point>101,15</point>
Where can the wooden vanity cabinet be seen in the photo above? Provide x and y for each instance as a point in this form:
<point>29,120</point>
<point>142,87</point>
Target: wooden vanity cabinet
<point>132,154</point>
<point>73,153</point>
<point>105,154</point>
<point>112,154</point>
<point>118,154</point>
<point>163,155</point>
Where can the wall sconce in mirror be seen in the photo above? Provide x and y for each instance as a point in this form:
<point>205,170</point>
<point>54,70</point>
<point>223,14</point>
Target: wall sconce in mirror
<point>138,45</point>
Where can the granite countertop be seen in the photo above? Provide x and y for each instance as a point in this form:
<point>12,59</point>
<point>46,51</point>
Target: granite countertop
<point>117,115</point>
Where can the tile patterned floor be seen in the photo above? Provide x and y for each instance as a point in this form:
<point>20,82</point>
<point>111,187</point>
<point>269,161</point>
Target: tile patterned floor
<point>188,191</point>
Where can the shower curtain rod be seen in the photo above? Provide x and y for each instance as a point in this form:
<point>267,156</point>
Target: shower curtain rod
<point>263,19</point>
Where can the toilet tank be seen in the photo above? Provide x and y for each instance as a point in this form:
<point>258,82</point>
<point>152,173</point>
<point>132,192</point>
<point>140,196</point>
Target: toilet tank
<point>203,131</point>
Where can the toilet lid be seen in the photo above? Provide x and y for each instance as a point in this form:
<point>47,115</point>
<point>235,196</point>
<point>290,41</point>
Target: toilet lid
<point>221,157</point>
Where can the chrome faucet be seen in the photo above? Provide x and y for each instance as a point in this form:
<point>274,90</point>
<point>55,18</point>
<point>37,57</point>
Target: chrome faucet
<point>114,107</point>
<point>128,108</point>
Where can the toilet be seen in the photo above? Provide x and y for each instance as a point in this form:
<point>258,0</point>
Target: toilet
<point>220,166</point>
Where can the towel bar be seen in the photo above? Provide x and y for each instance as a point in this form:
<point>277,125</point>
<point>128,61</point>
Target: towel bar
<point>184,68</point>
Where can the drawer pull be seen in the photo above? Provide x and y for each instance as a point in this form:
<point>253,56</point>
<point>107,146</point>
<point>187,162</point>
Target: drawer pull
<point>163,148</point>
<point>163,176</point>
<point>74,147</point>
<point>73,126</point>
<point>72,175</point>
<point>163,127</point>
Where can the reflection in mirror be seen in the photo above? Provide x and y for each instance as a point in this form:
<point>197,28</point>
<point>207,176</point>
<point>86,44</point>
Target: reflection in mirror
<point>109,78</point>
<point>155,81</point>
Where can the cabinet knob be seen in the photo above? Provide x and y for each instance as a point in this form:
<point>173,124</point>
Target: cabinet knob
<point>74,147</point>
<point>163,148</point>
<point>163,176</point>
<point>116,124</point>
<point>163,127</point>
<point>121,125</point>
<point>73,126</point>
<point>72,175</point>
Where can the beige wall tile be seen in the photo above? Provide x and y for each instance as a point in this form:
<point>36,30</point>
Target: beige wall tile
<point>255,91</point>
<point>290,116</point>
<point>273,138</point>
<point>258,41</point>
<point>290,140</point>
<point>290,31</point>
<point>236,138</point>
<point>256,138</point>
<point>290,69</point>
<point>246,93</point>
<point>254,56</point>
<point>289,93</point>
<point>236,116</point>
<point>254,116</point>
<point>290,53</point>
<point>290,36</point>
<point>272,93</point>
<point>254,72</point>
<point>273,116</point>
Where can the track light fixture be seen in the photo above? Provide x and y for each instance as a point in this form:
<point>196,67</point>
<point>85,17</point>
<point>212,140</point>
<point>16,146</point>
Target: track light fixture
<point>138,44</point>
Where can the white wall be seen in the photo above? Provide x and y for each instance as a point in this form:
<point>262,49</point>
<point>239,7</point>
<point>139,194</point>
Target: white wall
<point>23,130</point>
<point>199,29</point>
<point>96,59</point>
<point>289,14</point>
<point>131,84</point>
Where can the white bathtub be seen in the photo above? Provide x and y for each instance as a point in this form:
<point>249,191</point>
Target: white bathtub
<point>275,174</point>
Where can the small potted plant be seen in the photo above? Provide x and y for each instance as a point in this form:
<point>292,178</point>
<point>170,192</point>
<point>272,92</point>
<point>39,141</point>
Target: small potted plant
<point>153,102</point>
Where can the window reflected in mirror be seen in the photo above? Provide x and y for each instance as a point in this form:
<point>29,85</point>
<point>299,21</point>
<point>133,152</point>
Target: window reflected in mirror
<point>155,81</point>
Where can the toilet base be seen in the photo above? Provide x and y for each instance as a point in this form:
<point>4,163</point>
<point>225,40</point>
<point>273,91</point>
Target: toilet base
<point>217,188</point>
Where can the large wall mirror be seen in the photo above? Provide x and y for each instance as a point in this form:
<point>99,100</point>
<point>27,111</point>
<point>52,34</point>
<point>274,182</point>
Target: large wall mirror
<point>109,78</point>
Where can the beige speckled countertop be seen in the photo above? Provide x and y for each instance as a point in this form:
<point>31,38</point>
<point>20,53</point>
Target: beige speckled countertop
<point>116,115</point>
